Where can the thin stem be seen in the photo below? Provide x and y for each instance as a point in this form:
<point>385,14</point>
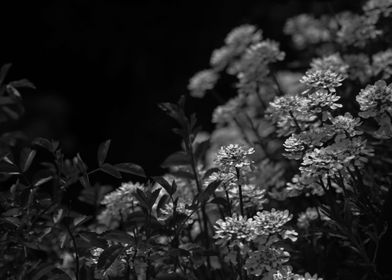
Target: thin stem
<point>240,192</point>
<point>76,252</point>
<point>295,121</point>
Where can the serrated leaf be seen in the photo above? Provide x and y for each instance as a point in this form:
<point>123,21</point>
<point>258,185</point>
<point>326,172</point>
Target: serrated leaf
<point>108,256</point>
<point>111,170</point>
<point>103,152</point>
<point>176,159</point>
<point>130,168</point>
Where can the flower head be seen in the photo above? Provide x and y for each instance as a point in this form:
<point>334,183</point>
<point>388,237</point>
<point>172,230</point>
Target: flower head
<point>201,82</point>
<point>382,64</point>
<point>375,99</point>
<point>234,156</point>
<point>323,79</point>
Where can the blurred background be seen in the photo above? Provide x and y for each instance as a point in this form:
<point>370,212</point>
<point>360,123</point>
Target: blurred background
<point>101,67</point>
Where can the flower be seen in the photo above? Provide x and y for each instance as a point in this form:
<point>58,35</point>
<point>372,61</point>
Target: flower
<point>201,82</point>
<point>95,253</point>
<point>119,204</point>
<point>270,222</point>
<point>235,228</point>
<point>306,30</point>
<point>227,112</point>
<point>333,63</point>
<point>378,8</point>
<point>382,64</point>
<point>359,67</point>
<point>253,196</point>
<point>181,208</point>
<point>234,156</point>
<point>375,100</point>
<point>252,69</point>
<point>356,30</point>
<point>323,79</point>
<point>265,260</point>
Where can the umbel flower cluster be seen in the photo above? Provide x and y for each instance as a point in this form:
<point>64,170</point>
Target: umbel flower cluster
<point>293,183</point>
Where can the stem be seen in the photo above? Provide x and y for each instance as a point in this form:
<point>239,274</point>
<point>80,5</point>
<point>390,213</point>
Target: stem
<point>76,252</point>
<point>240,192</point>
<point>295,122</point>
<point>247,140</point>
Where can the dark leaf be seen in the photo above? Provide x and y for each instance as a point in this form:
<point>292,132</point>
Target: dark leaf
<point>130,168</point>
<point>23,83</point>
<point>117,236</point>
<point>176,159</point>
<point>165,184</point>
<point>108,256</point>
<point>27,157</point>
<point>111,170</point>
<point>103,152</point>
<point>3,72</point>
<point>44,143</point>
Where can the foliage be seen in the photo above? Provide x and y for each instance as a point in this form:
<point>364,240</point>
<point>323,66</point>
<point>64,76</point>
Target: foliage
<point>291,184</point>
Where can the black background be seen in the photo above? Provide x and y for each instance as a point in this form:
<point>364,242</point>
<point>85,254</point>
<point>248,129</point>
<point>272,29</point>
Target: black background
<point>101,67</point>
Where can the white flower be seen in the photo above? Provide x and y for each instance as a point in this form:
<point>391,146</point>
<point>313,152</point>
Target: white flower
<point>201,82</point>
<point>382,64</point>
<point>333,63</point>
<point>323,79</point>
<point>234,156</point>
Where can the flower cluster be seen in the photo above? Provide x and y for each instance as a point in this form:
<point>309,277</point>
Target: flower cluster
<point>234,156</point>
<point>307,30</point>
<point>359,67</point>
<point>378,8</point>
<point>201,82</point>
<point>356,30</point>
<point>227,112</point>
<point>382,64</point>
<point>287,274</point>
<point>181,208</point>
<point>119,204</point>
<point>333,63</point>
<point>323,79</point>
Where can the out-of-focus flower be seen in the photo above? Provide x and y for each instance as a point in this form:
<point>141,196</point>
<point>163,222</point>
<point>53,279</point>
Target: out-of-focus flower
<point>333,63</point>
<point>201,82</point>
<point>323,79</point>
<point>95,253</point>
<point>305,218</point>
<point>253,68</point>
<point>227,112</point>
<point>356,30</point>
<point>306,30</point>
<point>236,42</point>
<point>289,82</point>
<point>378,8</point>
<point>382,64</point>
<point>253,196</point>
<point>359,67</point>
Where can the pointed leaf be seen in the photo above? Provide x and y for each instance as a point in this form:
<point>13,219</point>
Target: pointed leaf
<point>130,168</point>
<point>111,170</point>
<point>103,152</point>
<point>176,159</point>
<point>27,157</point>
<point>108,256</point>
<point>165,184</point>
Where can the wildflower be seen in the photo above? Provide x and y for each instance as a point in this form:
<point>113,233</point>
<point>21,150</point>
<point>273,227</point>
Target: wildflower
<point>356,30</point>
<point>234,156</point>
<point>119,204</point>
<point>346,125</point>
<point>95,253</point>
<point>378,8</point>
<point>201,82</point>
<point>333,63</point>
<point>270,222</point>
<point>253,69</point>
<point>306,30</point>
<point>227,112</point>
<point>382,64</point>
<point>168,210</point>
<point>321,99</point>
<point>359,67</point>
<point>305,183</point>
<point>286,274</point>
<point>290,113</point>
<point>236,42</point>
<point>253,196</point>
<point>294,146</point>
<point>375,100</point>
<point>323,79</point>
<point>305,218</point>
<point>336,157</point>
<point>233,229</point>
<point>265,260</point>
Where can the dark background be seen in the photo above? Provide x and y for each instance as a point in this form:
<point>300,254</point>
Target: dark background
<point>101,67</point>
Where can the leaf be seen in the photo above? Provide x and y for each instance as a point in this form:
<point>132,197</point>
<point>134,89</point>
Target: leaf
<point>111,170</point>
<point>220,201</point>
<point>209,190</point>
<point>44,143</point>
<point>42,181</point>
<point>22,83</point>
<point>3,72</point>
<point>117,236</point>
<point>108,256</point>
<point>80,220</point>
<point>201,148</point>
<point>165,184</point>
<point>27,157</point>
<point>176,159</point>
<point>130,168</point>
<point>51,272</point>
<point>140,196</point>
<point>103,152</point>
